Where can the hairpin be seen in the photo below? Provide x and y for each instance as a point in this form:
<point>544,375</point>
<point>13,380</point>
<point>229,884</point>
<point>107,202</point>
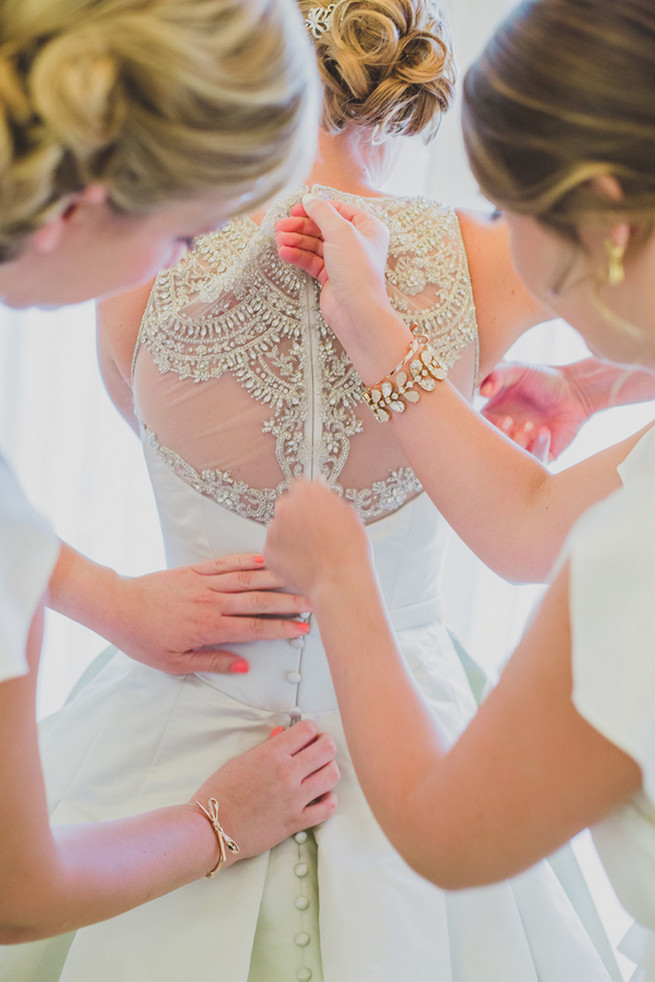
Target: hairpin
<point>319,19</point>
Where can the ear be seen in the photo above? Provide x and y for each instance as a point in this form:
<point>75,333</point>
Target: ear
<point>47,238</point>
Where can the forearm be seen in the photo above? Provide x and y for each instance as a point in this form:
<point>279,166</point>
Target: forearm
<point>525,776</point>
<point>98,871</point>
<point>85,591</point>
<point>55,880</point>
<point>601,385</point>
<point>496,497</point>
<point>508,508</point>
<point>391,737</point>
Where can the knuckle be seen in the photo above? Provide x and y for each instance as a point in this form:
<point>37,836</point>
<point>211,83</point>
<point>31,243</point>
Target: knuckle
<point>257,626</point>
<point>264,600</point>
<point>220,664</point>
<point>244,577</point>
<point>333,772</point>
<point>309,728</point>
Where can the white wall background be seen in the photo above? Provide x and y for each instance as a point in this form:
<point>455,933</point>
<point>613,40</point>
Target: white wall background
<point>82,466</point>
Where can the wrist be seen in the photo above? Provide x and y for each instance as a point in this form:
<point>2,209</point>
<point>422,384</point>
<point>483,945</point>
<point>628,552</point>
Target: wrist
<point>203,847</point>
<point>588,382</point>
<point>109,610</point>
<point>84,590</point>
<point>216,848</point>
<point>341,581</point>
<point>384,344</point>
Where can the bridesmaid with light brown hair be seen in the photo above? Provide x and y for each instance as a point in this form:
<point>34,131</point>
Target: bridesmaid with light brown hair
<point>559,121</point>
<point>235,384</point>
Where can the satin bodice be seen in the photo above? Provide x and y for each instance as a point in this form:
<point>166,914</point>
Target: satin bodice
<point>285,675</point>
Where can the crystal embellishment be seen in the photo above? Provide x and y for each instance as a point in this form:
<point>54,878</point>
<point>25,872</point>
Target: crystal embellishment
<point>398,388</point>
<point>232,309</point>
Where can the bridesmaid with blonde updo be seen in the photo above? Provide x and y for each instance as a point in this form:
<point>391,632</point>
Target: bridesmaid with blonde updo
<point>125,127</point>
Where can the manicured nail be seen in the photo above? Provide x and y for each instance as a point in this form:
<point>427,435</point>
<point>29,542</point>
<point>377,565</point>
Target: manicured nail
<point>278,729</point>
<point>239,667</point>
<point>303,627</point>
<point>258,560</point>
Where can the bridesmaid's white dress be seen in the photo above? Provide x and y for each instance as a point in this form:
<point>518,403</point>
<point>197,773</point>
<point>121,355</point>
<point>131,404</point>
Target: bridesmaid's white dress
<point>240,386</point>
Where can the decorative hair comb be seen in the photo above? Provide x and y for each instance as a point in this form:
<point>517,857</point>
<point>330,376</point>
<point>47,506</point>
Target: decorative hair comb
<point>319,19</point>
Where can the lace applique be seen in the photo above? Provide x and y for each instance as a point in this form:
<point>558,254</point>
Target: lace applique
<point>385,496</point>
<point>232,306</point>
<point>259,504</point>
<point>219,485</point>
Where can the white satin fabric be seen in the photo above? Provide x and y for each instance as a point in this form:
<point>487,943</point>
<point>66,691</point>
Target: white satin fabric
<point>612,558</point>
<point>135,739</point>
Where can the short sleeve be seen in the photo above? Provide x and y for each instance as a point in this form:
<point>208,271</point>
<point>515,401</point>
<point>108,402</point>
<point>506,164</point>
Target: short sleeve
<point>612,601</point>
<point>28,553</point>
<point>640,462</point>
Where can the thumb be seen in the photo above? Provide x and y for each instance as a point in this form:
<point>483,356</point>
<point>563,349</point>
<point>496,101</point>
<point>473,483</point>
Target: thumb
<point>503,376</point>
<point>325,215</point>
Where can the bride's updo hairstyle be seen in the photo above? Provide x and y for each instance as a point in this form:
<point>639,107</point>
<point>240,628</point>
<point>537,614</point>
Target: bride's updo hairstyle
<point>157,100</point>
<point>563,93</point>
<point>384,64</point>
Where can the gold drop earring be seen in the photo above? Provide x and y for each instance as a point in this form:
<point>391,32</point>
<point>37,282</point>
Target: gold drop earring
<point>615,271</point>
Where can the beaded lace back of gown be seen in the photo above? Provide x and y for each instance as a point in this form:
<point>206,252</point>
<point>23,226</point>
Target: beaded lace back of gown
<point>240,386</point>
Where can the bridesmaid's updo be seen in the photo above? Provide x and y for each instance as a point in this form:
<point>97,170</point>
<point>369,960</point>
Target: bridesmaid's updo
<point>562,94</point>
<point>384,64</point>
<point>157,100</point>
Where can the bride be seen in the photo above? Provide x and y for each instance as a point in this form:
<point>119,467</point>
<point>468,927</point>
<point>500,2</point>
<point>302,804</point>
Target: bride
<point>237,386</point>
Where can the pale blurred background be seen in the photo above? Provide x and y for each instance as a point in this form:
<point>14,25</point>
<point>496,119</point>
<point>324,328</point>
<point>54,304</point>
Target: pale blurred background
<point>82,466</point>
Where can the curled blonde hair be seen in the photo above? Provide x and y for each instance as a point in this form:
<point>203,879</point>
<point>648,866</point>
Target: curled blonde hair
<point>385,64</point>
<point>158,100</point>
<point>563,94</point>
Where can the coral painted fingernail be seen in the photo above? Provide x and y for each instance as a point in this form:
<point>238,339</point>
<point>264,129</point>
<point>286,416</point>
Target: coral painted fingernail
<point>239,667</point>
<point>302,627</point>
<point>278,729</point>
<point>258,560</point>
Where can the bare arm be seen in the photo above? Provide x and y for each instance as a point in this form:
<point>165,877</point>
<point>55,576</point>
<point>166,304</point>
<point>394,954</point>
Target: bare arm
<point>504,308</point>
<point>527,774</point>
<point>507,507</point>
<point>118,320</point>
<point>59,879</point>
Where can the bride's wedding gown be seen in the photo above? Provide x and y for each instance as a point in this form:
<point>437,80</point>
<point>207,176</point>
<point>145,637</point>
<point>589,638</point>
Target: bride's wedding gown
<point>240,387</point>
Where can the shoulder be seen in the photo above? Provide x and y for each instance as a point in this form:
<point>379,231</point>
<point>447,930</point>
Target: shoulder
<point>118,322</point>
<point>505,309</point>
<point>28,553</point>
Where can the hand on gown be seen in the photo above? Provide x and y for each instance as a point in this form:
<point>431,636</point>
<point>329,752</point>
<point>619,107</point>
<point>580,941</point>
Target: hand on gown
<point>275,790</point>
<point>345,249</point>
<point>538,406</point>
<point>172,619</point>
<point>315,534</point>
